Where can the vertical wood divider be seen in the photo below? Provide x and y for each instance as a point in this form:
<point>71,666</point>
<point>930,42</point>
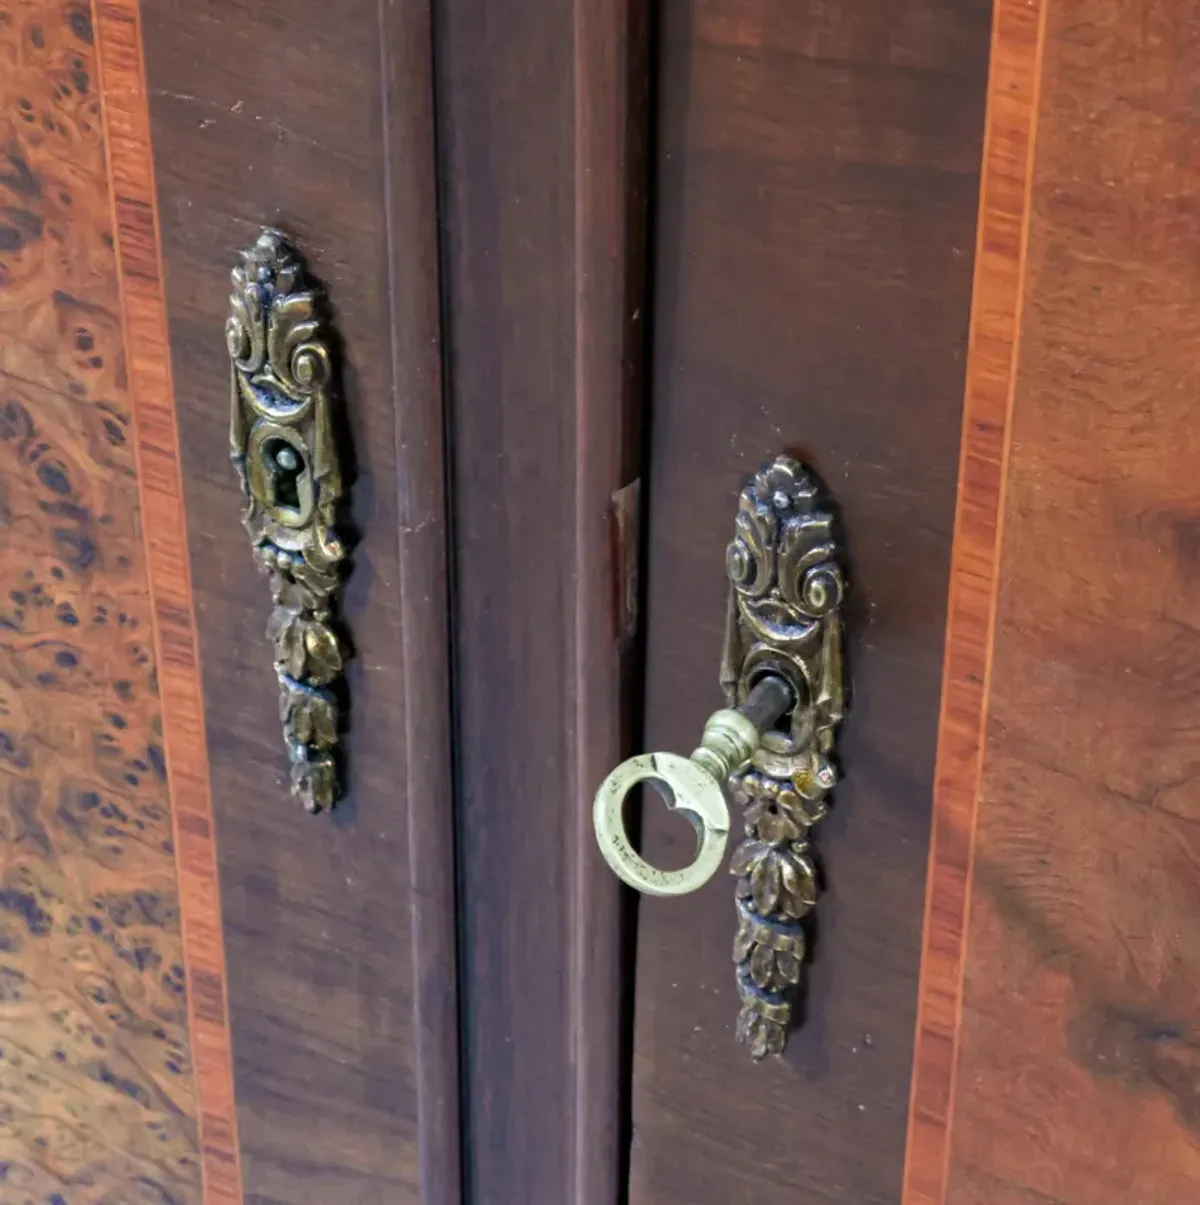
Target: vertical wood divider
<point>410,199</point>
<point>611,136</point>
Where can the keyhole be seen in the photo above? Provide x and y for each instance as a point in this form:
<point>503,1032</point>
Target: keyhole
<point>286,466</point>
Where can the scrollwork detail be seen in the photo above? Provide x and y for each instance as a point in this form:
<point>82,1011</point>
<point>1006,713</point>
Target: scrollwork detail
<point>786,590</point>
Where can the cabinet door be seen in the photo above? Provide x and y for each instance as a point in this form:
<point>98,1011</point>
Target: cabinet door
<point>1000,1002</point>
<point>817,182</point>
<point>338,928</point>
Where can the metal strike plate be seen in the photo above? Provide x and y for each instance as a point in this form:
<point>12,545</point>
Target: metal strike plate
<point>771,747</point>
<point>282,442</point>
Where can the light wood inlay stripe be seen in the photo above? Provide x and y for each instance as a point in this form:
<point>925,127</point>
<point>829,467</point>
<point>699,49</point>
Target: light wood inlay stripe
<point>1018,35</point>
<point>135,220</point>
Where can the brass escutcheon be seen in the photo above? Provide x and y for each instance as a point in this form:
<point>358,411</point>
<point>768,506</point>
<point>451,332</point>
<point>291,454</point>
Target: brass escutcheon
<point>282,401</point>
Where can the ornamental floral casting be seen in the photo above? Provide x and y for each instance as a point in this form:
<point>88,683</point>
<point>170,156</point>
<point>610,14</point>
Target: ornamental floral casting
<point>282,442</point>
<point>786,589</point>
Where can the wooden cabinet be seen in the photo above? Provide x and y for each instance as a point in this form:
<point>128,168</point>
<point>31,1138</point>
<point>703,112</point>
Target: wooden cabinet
<point>588,268</point>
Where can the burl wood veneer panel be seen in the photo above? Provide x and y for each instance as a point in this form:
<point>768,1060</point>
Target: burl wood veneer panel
<point>1077,1079</point>
<point>97,1095</point>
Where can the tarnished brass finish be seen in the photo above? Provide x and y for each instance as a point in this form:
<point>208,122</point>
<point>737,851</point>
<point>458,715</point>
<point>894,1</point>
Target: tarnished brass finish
<point>729,740</point>
<point>282,442</point>
<point>781,670</point>
<point>786,591</point>
<point>691,786</point>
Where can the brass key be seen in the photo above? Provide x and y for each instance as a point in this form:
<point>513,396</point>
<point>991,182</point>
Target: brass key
<point>692,786</point>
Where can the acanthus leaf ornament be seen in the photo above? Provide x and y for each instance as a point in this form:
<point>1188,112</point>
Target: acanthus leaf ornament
<point>786,590</point>
<point>282,443</point>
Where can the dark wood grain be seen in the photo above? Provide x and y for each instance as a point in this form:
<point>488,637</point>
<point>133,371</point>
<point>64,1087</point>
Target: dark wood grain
<point>1081,1010</point>
<point>817,195</point>
<point>1013,77</point>
<point>98,1074</point>
<point>542,125</point>
<point>410,196</point>
<point>164,529</point>
<point>320,126</point>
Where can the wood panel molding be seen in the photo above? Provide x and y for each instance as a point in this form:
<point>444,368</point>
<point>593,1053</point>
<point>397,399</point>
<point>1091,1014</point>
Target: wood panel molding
<point>1018,37</point>
<point>410,197</point>
<point>610,180</point>
<point>135,225</point>
<point>542,214</point>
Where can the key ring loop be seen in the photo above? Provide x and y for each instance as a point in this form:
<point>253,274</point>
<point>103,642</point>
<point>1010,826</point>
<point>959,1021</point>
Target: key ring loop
<point>690,790</point>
